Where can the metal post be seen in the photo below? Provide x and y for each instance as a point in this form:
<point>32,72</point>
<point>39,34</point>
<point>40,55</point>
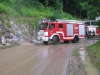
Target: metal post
<point>90,23</point>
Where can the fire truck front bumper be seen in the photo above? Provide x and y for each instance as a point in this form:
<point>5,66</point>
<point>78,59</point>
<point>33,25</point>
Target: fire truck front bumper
<point>43,38</point>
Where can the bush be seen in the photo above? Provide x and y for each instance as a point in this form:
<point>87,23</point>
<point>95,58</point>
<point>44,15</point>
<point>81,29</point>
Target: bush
<point>31,12</point>
<point>60,15</point>
<point>7,10</point>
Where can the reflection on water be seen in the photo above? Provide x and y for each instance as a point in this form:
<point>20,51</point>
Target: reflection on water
<point>45,52</point>
<point>82,54</point>
<point>89,67</point>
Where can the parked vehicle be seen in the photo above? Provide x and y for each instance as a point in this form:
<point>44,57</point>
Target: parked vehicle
<point>92,31</point>
<point>65,30</point>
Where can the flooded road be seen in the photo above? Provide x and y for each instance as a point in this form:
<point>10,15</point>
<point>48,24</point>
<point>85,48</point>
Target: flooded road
<point>30,59</point>
<point>86,59</point>
<point>89,67</point>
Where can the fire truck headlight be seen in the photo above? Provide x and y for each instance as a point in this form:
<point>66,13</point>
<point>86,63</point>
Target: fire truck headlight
<point>45,33</point>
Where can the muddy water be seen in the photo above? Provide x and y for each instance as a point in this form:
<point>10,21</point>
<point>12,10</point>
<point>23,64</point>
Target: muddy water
<point>89,67</point>
<point>29,59</point>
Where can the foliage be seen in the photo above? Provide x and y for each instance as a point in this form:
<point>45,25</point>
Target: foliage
<point>90,8</point>
<point>16,7</point>
<point>77,8</point>
<point>35,25</point>
<point>7,10</point>
<point>94,52</point>
<point>1,18</point>
<point>8,24</point>
<point>60,15</point>
<point>98,23</point>
<point>55,15</point>
<point>30,12</point>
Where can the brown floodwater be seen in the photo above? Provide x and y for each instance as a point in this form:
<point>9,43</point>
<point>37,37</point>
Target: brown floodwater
<point>88,65</point>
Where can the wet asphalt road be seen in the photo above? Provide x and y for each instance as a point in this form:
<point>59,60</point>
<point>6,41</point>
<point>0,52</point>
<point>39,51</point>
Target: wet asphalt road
<point>30,59</point>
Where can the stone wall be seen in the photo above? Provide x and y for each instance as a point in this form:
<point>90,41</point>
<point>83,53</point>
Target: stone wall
<point>20,31</point>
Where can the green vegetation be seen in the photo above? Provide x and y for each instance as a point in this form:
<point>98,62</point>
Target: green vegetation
<point>21,10</point>
<point>31,11</point>
<point>51,8</point>
<point>28,11</point>
<point>5,9</point>
<point>75,53</point>
<point>94,53</point>
<point>8,24</point>
<point>97,23</point>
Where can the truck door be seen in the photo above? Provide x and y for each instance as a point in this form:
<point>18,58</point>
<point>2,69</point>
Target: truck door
<point>61,31</point>
<point>52,28</point>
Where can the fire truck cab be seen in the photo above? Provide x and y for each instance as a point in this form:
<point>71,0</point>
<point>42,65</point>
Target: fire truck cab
<point>58,30</point>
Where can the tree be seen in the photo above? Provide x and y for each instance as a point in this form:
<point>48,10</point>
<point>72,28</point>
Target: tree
<point>91,7</point>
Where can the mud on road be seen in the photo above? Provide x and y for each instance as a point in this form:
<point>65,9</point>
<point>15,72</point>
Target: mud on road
<point>30,59</point>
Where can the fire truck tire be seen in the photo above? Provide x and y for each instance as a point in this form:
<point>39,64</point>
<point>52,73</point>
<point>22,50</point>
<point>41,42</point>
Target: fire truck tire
<point>76,39</point>
<point>45,42</point>
<point>55,40</point>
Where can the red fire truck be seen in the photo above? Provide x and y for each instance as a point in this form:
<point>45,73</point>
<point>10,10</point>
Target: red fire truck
<point>92,31</point>
<point>65,30</point>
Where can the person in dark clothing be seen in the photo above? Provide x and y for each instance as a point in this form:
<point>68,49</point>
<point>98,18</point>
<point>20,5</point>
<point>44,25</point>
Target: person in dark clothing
<point>86,34</point>
<point>89,34</point>
<point>93,33</point>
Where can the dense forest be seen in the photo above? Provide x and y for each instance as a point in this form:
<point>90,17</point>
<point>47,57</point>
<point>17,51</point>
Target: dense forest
<point>87,9</point>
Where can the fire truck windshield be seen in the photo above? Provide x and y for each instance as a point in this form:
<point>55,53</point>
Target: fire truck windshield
<point>43,26</point>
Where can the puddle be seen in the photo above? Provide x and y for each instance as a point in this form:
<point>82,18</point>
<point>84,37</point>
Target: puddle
<point>89,67</point>
<point>82,54</point>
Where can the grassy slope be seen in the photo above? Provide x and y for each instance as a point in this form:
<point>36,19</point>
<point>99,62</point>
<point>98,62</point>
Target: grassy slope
<point>94,52</point>
<point>26,13</point>
<point>30,12</point>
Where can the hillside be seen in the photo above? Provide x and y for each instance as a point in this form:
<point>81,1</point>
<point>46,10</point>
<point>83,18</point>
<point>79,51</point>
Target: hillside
<point>16,16</point>
<point>29,13</point>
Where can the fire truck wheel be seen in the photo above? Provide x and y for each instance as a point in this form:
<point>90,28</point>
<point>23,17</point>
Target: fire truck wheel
<point>55,40</point>
<point>45,42</point>
<point>76,39</point>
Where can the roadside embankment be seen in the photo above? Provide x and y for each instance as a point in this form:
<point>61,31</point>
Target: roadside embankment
<point>76,66</point>
<point>94,54</point>
<point>85,60</point>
